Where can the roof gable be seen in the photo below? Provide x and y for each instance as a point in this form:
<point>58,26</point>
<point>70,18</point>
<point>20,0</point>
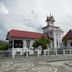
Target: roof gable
<point>68,35</point>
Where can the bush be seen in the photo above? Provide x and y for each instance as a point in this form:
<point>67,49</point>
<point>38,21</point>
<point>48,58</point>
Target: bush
<point>4,45</point>
<point>36,44</point>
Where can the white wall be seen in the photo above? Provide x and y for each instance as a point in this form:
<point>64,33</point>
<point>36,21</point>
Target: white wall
<point>69,44</point>
<point>31,42</point>
<point>56,35</point>
<point>24,42</point>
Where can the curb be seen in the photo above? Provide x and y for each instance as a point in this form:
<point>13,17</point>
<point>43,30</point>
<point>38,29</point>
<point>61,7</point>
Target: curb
<point>66,63</point>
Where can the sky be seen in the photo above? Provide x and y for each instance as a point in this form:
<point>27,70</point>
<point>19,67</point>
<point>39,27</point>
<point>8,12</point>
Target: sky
<point>30,15</point>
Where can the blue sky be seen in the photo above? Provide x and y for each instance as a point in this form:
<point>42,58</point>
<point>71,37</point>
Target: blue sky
<point>30,15</point>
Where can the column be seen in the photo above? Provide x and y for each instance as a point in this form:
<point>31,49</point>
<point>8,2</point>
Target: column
<point>12,43</point>
<point>56,51</point>
<point>48,52</point>
<point>51,45</point>
<point>24,43</point>
<point>13,51</point>
<point>70,51</point>
<point>38,52</point>
<point>27,53</point>
<point>31,43</point>
<point>63,51</point>
<point>55,44</point>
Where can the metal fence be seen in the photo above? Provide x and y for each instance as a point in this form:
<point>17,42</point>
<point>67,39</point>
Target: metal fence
<point>8,53</point>
<point>59,52</point>
<point>5,53</point>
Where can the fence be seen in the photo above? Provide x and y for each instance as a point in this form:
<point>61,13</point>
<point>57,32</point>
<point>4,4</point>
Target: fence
<point>5,53</point>
<point>60,52</point>
<point>55,52</point>
<point>8,53</point>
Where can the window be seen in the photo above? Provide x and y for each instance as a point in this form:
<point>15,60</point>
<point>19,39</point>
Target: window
<point>28,43</point>
<point>57,34</point>
<point>46,33</point>
<point>18,44</point>
<point>71,43</point>
<point>50,33</point>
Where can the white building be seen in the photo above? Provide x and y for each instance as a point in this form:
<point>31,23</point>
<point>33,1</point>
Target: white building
<point>68,40</point>
<point>23,40</point>
<point>53,32</point>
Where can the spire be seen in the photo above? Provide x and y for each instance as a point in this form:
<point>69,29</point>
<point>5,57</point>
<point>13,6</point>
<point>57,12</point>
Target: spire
<point>50,20</point>
<point>50,14</point>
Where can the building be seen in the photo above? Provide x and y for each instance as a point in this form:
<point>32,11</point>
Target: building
<point>68,39</point>
<point>53,32</point>
<point>20,40</point>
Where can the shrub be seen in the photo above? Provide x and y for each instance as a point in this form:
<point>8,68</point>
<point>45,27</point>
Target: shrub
<point>4,45</point>
<point>43,42</point>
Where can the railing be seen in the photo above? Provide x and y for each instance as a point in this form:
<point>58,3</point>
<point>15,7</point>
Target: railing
<point>7,53</point>
<point>57,52</point>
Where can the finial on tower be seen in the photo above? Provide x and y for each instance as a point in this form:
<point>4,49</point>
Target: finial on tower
<point>50,20</point>
<point>50,13</point>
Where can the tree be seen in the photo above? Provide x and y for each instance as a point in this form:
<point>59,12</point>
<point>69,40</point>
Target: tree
<point>65,41</point>
<point>4,45</point>
<point>36,44</point>
<point>43,42</point>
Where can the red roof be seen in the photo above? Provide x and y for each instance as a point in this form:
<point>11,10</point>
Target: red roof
<point>68,35</point>
<point>24,34</point>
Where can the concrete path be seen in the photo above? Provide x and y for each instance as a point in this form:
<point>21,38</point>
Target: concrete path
<point>35,64</point>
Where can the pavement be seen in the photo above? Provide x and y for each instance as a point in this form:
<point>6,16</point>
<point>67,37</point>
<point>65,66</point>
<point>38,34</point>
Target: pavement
<point>36,64</point>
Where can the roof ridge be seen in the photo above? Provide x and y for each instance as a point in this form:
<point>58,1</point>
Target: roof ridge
<point>25,34</point>
<point>24,31</point>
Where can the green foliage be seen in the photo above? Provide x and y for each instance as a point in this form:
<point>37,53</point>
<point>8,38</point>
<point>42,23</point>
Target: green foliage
<point>65,40</point>
<point>36,44</point>
<point>43,42</point>
<point>4,45</point>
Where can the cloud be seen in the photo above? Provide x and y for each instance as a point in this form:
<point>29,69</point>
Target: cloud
<point>3,9</point>
<point>30,15</point>
<point>3,32</point>
<point>20,23</point>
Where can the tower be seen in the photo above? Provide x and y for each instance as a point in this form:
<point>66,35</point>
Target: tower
<point>53,32</point>
<point>50,20</point>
